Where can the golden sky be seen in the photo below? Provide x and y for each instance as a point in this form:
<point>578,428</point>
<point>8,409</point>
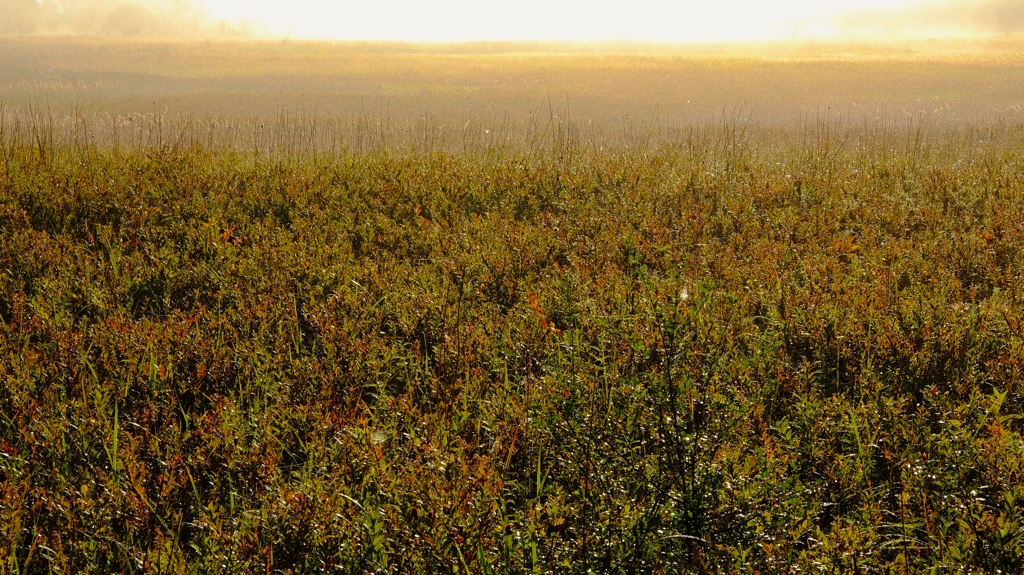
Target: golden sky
<point>579,20</point>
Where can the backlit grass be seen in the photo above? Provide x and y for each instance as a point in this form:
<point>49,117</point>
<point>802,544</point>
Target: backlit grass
<point>727,351</point>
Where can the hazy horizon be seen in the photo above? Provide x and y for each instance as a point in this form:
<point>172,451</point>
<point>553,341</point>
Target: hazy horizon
<point>455,21</point>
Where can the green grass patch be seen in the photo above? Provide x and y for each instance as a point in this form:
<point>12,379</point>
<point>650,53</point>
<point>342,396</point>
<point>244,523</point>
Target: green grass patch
<point>700,356</point>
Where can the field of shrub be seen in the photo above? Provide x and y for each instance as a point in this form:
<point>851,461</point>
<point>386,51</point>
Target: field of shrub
<point>734,351</point>
<point>519,343</point>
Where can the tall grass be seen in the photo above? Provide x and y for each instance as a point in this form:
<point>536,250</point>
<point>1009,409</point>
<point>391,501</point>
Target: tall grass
<point>509,348</point>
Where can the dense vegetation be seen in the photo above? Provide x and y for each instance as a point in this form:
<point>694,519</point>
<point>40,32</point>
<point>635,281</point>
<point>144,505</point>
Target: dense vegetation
<point>734,352</point>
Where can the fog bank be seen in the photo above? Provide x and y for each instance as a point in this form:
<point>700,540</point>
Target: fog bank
<point>934,19</point>
<point>154,18</point>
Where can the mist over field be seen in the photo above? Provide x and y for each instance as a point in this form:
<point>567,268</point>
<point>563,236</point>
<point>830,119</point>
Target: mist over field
<point>595,87</point>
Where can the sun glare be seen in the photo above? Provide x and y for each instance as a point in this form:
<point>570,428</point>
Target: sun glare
<point>568,20</point>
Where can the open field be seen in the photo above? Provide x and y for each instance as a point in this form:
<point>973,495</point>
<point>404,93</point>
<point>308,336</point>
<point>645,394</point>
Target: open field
<point>964,82</point>
<point>782,338</point>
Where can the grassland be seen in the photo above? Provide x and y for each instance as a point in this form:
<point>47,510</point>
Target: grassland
<point>719,345</point>
<point>967,82</point>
